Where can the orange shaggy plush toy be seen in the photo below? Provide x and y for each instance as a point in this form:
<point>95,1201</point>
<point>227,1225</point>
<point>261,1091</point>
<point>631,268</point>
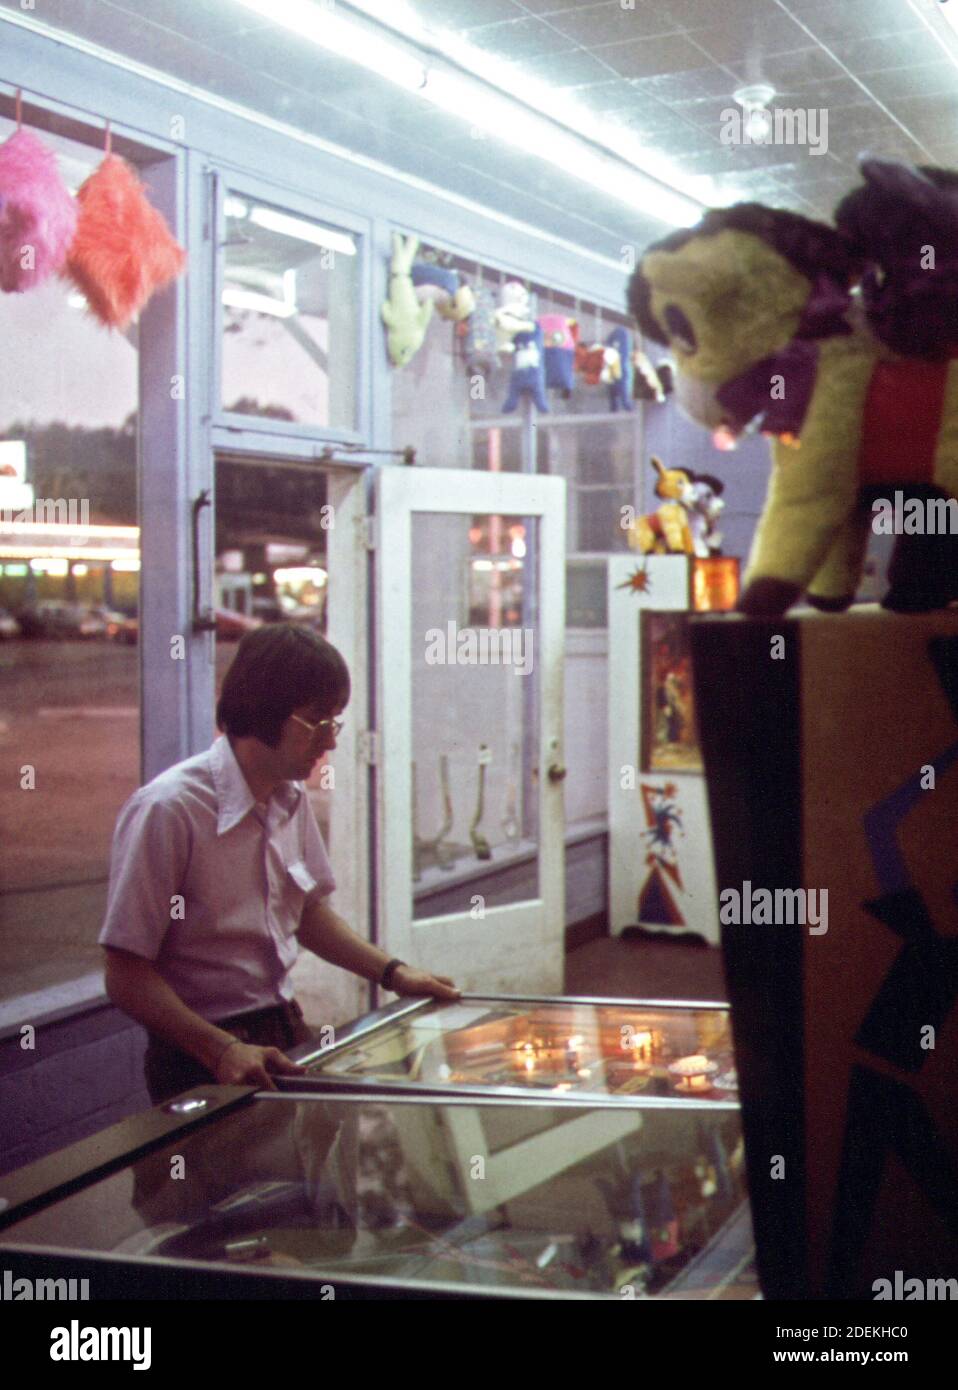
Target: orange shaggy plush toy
<point>123,250</point>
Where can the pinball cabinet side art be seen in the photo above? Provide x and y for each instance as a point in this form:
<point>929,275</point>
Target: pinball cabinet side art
<point>833,777</point>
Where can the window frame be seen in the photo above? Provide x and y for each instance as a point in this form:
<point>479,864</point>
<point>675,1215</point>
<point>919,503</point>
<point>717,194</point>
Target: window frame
<point>260,435</point>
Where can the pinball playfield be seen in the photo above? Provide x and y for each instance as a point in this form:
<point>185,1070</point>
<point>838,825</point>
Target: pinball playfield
<point>610,1049</point>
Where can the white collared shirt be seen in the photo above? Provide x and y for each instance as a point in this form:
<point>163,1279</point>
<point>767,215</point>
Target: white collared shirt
<point>209,884</point>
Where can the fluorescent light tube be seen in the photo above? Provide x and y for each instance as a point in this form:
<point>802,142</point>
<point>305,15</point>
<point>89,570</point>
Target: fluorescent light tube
<point>480,101</point>
<point>320,24</point>
<point>259,303</point>
<point>282,222</point>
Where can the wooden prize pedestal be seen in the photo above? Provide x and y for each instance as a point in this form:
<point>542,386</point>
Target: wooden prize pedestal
<point>831,749</point>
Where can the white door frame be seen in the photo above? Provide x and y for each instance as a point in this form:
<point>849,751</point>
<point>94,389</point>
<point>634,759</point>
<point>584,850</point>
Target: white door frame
<point>518,947</point>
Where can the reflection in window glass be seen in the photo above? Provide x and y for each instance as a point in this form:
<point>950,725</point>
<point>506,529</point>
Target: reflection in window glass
<point>474,707</point>
<point>580,1200</point>
<point>290,317</point>
<point>69,580</point>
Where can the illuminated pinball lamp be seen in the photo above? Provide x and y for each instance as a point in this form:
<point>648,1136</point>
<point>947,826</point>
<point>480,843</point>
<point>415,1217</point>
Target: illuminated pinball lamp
<point>526,1055</point>
<point>693,1073</point>
<point>715,583</point>
<point>639,1043</point>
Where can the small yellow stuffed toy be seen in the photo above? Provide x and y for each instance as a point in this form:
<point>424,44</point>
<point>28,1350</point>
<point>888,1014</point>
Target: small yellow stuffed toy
<point>666,530</point>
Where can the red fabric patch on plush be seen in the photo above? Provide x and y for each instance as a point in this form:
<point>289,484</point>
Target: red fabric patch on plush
<point>902,420</point>
<point>123,250</point>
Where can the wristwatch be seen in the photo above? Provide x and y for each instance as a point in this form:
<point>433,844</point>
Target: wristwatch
<point>385,980</point>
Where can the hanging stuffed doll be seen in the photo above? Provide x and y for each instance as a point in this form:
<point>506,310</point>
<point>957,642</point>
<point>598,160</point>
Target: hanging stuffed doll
<point>405,318</point>
<point>37,214</point>
<point>123,251</point>
<point>620,389</point>
<point>513,316</point>
<point>598,365</point>
<point>528,372</point>
<point>442,284</point>
<point>646,383</point>
<point>478,335</point>
<point>559,352</point>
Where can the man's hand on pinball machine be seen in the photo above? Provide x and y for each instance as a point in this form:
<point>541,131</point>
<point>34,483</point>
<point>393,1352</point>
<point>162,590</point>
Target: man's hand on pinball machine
<point>244,1064</point>
<point>407,981</point>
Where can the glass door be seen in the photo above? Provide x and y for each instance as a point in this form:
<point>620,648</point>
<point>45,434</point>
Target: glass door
<point>470,617</point>
<point>289,548</point>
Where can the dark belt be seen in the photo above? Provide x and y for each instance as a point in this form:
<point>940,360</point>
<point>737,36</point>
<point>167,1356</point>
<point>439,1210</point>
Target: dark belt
<point>286,1012</point>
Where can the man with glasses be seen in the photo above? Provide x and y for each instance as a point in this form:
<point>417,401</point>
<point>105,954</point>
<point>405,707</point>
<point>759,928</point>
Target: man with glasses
<point>218,875</point>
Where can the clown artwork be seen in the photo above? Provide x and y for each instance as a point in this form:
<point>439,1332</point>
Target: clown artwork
<point>669,736</point>
<point>841,343</point>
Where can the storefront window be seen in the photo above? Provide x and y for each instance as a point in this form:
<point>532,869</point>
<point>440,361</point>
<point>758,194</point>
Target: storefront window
<point>597,461</point>
<point>291,314</point>
<point>69,581</point>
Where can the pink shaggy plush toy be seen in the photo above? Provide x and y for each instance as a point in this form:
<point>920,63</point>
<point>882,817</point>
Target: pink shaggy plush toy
<point>37,214</point>
<point>123,250</point>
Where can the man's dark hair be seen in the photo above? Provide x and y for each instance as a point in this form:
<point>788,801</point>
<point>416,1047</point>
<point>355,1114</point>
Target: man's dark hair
<point>278,668</point>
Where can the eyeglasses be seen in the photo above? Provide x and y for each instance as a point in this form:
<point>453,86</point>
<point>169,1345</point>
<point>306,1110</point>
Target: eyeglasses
<point>332,726</point>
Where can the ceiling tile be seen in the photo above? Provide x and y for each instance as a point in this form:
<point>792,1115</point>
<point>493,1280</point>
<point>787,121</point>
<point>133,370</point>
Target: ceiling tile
<point>928,109</point>
<point>594,25</point>
<point>928,79</point>
<point>520,39</point>
<point>551,7</point>
<point>577,68</point>
<point>864,116</point>
<point>692,85</point>
<point>831,22</point>
<point>790,71</point>
<point>834,94</point>
<point>865,55</point>
<point>756,36</point>
<point>653,57</point>
<point>701,14</point>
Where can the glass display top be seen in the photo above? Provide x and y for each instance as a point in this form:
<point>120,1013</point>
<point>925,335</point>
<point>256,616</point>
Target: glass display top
<point>545,1199</point>
<point>624,1050</point>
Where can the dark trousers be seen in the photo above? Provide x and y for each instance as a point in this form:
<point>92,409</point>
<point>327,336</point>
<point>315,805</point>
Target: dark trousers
<point>170,1071</point>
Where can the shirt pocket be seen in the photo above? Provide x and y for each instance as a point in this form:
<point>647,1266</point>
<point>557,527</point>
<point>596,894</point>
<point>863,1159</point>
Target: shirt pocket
<point>298,882</point>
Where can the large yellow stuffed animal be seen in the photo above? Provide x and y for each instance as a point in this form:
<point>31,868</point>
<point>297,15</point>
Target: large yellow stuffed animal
<point>839,343</point>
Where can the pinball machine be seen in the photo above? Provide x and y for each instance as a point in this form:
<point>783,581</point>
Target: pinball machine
<point>495,1147</point>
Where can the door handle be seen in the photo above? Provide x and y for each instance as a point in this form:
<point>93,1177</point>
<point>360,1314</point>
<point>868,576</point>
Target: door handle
<point>557,772</point>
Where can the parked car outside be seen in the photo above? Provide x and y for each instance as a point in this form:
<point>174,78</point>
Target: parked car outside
<point>57,619</point>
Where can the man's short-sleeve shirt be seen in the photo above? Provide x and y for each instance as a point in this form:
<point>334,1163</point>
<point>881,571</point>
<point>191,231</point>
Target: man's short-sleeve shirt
<point>209,885</point>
